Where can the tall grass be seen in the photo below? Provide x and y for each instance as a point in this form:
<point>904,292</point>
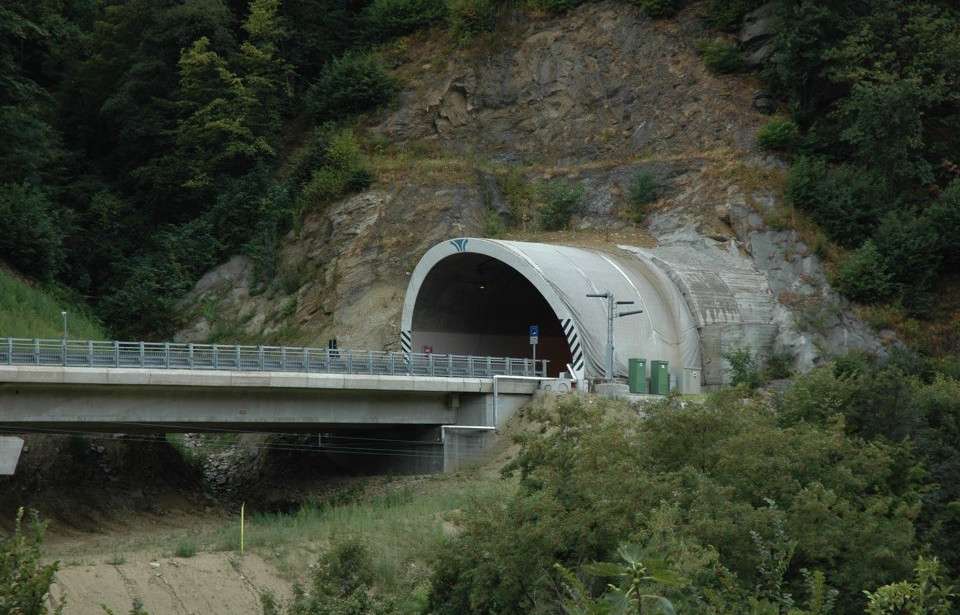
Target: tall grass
<point>402,526</point>
<point>27,311</point>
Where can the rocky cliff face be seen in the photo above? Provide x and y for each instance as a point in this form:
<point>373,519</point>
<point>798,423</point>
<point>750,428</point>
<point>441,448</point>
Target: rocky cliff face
<point>595,96</point>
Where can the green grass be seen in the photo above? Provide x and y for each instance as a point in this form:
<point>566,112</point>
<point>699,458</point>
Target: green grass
<point>30,311</point>
<point>402,526</point>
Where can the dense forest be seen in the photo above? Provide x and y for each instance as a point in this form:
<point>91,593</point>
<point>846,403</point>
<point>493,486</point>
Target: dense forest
<point>143,142</point>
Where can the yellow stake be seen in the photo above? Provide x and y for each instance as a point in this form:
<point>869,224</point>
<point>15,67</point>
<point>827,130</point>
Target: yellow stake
<point>243,505</point>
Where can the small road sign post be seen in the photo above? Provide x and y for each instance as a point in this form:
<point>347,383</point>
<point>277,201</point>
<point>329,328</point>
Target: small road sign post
<point>534,338</point>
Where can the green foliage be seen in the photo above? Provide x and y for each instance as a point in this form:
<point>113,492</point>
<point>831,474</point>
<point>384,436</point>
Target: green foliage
<point>31,232</point>
<point>721,55</point>
<point>641,191</point>
<point>560,202</point>
<point>342,584</point>
<point>24,581</point>
<point>185,547</point>
<point>739,503</point>
<point>657,8</point>
<point>728,14</point>
<point>928,594</point>
<point>468,18</point>
<point>779,135</point>
<point>864,277</point>
<point>746,368</point>
<point>386,19</point>
<point>341,171</point>
<point>635,574</point>
<point>135,609</point>
<point>352,83</point>
<point>846,200</point>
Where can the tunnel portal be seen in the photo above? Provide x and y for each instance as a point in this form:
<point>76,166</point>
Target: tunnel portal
<point>688,305</point>
<point>474,304</point>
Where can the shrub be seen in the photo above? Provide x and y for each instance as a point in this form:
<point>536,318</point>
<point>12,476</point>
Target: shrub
<point>728,15</point>
<point>560,203</point>
<point>470,17</point>
<point>341,171</point>
<point>779,135</point>
<point>641,191</point>
<point>845,200</point>
<point>353,83</point>
<point>864,277</point>
<point>24,581</point>
<point>386,19</point>
<point>721,55</point>
<point>745,367</point>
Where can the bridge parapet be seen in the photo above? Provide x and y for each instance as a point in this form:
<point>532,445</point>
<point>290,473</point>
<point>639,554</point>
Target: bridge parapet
<point>220,357</point>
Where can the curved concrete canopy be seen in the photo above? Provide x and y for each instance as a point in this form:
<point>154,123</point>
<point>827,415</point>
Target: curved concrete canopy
<point>480,296</point>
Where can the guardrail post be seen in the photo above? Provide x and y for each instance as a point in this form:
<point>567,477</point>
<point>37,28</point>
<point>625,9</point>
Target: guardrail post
<point>9,351</point>
<point>260,357</point>
<point>166,355</point>
<point>431,370</point>
<point>90,353</point>
<point>306,360</point>
<point>369,361</point>
<point>36,351</point>
<point>116,353</point>
<point>143,354</point>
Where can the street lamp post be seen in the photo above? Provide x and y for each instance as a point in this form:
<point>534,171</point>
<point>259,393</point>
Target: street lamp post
<point>611,301</point>
<point>64,314</point>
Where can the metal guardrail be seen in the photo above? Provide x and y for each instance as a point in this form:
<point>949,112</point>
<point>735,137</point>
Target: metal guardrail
<point>162,355</point>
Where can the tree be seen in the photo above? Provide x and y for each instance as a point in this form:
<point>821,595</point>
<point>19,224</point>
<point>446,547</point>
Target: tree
<point>31,234</point>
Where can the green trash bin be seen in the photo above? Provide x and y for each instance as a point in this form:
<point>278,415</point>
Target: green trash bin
<point>659,378</point>
<point>637,375</point>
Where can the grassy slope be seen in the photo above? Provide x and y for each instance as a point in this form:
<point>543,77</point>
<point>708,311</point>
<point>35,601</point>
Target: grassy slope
<point>30,311</point>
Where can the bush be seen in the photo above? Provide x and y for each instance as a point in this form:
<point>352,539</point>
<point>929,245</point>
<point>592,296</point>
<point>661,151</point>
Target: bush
<point>864,277</point>
<point>353,83</point>
<point>745,367</point>
<point>846,200</point>
<point>386,19</point>
<point>560,203</point>
<point>721,55</point>
<point>31,235</point>
<point>24,581</point>
<point>470,17</point>
<point>641,191</point>
<point>779,135</point>
<point>728,15</point>
<point>341,172</point>
<point>737,503</point>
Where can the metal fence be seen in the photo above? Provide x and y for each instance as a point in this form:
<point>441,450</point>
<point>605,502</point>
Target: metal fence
<point>154,355</point>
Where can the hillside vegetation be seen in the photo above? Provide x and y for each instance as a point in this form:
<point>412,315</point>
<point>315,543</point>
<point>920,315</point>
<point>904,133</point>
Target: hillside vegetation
<point>144,142</point>
<point>798,502</point>
<point>28,311</point>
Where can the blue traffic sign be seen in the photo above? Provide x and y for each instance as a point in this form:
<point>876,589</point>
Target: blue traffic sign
<point>534,330</point>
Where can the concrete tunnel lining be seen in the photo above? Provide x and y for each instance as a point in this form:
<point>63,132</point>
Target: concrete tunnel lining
<point>479,297</point>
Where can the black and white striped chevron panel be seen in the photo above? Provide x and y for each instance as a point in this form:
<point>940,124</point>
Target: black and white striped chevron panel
<point>573,341</point>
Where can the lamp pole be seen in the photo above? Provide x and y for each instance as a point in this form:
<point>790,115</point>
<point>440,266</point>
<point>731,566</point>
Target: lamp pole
<point>64,314</point>
<point>611,301</point>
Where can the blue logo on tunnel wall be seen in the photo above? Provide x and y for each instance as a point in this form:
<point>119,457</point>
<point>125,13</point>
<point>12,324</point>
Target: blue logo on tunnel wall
<point>460,245</point>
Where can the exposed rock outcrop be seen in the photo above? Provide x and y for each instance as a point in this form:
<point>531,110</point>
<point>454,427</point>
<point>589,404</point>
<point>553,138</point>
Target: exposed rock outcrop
<point>596,96</point>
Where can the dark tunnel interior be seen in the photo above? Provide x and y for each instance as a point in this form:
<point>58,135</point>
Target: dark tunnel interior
<point>477,305</point>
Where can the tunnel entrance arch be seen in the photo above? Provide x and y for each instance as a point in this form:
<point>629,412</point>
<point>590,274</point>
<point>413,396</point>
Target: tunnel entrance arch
<point>480,296</point>
<point>474,303</point>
